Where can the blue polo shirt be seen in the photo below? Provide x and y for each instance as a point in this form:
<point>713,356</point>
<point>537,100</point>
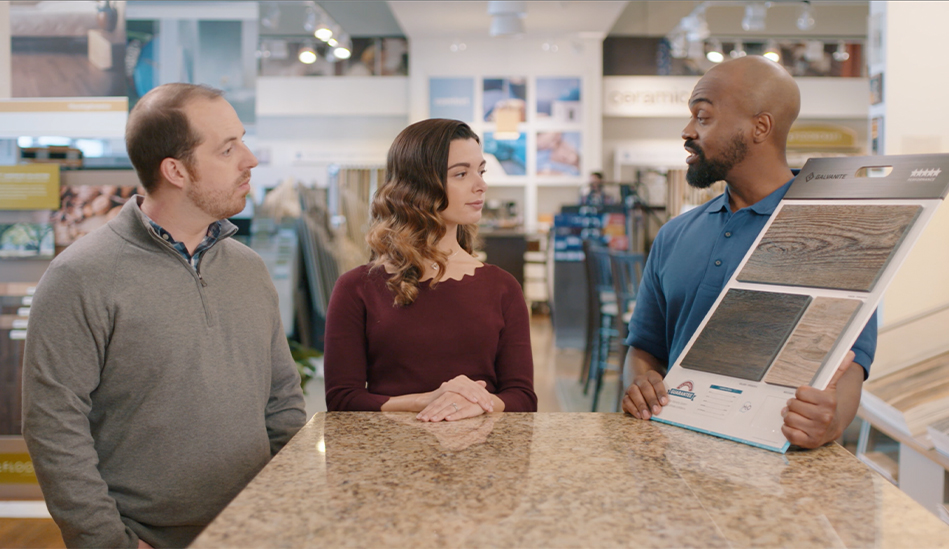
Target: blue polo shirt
<point>693,257</point>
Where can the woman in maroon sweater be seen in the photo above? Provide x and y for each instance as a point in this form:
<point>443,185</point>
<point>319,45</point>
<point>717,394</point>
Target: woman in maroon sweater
<point>424,326</point>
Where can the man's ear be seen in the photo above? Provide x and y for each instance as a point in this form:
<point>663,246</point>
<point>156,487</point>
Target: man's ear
<point>763,127</point>
<point>173,171</point>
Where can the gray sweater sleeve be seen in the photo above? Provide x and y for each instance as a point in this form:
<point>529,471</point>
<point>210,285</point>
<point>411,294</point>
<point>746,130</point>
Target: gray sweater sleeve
<point>285,413</point>
<point>67,338</point>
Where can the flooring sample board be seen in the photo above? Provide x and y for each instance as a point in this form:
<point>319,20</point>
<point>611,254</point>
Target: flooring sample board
<point>939,434</point>
<point>913,397</point>
<point>745,332</point>
<point>824,246</point>
<point>812,340</point>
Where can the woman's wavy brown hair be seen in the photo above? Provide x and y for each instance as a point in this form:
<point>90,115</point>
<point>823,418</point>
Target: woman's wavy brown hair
<point>405,215</point>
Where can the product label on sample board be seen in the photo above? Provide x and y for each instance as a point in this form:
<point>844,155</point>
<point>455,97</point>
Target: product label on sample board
<point>16,469</point>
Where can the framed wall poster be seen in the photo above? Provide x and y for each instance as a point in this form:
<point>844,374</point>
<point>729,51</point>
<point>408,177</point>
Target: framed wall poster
<point>504,93</point>
<point>558,153</point>
<point>558,100</point>
<point>510,155</point>
<point>451,98</point>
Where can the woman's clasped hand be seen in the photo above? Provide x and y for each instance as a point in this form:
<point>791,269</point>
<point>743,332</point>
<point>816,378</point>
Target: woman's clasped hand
<point>458,398</point>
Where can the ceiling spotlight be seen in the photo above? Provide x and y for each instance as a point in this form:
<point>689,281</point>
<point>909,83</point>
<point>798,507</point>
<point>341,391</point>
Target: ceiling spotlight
<point>738,50</point>
<point>715,53</point>
<point>457,46</point>
<point>342,53</point>
<point>307,55</point>
<point>755,14</point>
<point>324,33</point>
<point>772,51</point>
<point>269,16</point>
<point>507,18</point>
<point>332,42</point>
<point>841,54</point>
<point>806,21</point>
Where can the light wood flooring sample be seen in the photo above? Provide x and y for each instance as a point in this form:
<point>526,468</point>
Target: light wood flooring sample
<point>745,333</point>
<point>914,385</point>
<point>837,247</point>
<point>810,343</point>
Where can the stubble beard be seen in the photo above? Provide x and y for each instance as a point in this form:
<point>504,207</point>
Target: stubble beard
<point>704,173</point>
<point>219,204</point>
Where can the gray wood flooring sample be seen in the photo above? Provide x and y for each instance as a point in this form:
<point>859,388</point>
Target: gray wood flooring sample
<point>745,333</point>
<point>810,343</point>
<point>836,247</point>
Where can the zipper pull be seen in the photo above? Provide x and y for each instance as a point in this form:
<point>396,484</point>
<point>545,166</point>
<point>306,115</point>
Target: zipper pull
<point>201,279</point>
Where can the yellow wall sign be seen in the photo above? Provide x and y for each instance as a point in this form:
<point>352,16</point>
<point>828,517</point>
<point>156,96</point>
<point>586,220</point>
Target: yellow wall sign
<point>16,469</point>
<point>821,137</point>
<point>29,187</point>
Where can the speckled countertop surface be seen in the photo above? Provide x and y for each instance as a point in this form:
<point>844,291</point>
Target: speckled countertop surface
<point>559,480</point>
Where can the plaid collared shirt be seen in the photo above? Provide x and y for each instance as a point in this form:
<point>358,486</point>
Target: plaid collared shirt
<point>214,232</point>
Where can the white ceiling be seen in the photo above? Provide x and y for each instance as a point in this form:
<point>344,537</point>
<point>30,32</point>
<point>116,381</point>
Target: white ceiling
<point>460,19</point>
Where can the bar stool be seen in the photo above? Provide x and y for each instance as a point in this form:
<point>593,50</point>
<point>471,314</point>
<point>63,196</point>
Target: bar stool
<point>601,310</point>
<point>627,272</point>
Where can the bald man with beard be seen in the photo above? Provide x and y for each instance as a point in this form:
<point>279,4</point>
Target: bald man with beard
<point>742,112</point>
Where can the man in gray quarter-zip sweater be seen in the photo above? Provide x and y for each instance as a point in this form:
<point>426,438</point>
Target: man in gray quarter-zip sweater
<point>157,379</point>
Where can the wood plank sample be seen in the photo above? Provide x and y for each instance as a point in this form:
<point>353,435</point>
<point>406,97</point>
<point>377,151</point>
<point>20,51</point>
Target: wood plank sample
<point>746,331</point>
<point>812,340</point>
<point>836,247</point>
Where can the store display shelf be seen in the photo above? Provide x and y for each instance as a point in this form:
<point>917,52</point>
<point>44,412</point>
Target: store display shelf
<point>889,430</point>
<point>883,464</point>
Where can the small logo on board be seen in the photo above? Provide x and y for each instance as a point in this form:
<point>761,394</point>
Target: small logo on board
<point>684,390</point>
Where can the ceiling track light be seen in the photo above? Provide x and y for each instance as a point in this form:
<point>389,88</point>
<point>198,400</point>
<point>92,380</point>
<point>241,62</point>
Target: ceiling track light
<point>772,51</point>
<point>841,54</point>
<point>507,18</point>
<point>755,14</point>
<point>805,21</point>
<point>714,53</point>
<point>738,50</point>
<point>307,55</point>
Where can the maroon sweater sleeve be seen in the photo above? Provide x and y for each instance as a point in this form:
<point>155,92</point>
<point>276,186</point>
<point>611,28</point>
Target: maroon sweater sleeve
<point>345,361</point>
<point>514,363</point>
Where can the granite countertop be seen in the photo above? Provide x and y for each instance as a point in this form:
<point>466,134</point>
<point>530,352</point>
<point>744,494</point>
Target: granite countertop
<point>559,480</point>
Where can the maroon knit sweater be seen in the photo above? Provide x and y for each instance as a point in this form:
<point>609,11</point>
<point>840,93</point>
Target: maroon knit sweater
<point>477,326</point>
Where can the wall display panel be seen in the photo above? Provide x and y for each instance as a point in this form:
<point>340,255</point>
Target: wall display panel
<point>451,98</point>
<point>810,343</point>
<point>838,247</point>
<point>67,49</point>
<point>745,333</point>
<point>558,153</point>
<point>12,342</point>
<point>85,208</point>
<point>558,100</point>
<point>26,240</point>
<point>510,154</point>
<point>504,94</point>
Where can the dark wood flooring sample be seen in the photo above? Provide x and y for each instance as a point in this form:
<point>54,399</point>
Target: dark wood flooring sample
<point>810,343</point>
<point>745,333</point>
<point>836,247</point>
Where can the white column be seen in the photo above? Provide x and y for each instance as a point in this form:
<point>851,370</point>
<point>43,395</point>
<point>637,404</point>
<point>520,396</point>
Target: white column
<point>906,45</point>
